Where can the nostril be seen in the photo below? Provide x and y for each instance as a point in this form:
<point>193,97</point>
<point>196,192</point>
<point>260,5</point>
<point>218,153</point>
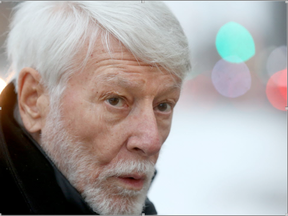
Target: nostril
<point>138,149</point>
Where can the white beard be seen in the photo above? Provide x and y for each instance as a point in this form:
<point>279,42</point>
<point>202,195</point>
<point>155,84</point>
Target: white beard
<point>78,164</point>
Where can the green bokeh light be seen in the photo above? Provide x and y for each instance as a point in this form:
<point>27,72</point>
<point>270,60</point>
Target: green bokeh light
<point>234,43</point>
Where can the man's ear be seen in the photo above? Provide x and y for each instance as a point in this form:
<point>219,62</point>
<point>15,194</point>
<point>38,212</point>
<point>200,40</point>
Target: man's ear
<point>33,101</point>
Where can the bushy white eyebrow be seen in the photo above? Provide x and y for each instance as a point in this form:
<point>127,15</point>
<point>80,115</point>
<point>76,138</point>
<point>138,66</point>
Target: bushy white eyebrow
<point>116,79</point>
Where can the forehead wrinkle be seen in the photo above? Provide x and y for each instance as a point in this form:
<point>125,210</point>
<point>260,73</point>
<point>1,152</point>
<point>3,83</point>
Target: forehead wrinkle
<point>120,80</point>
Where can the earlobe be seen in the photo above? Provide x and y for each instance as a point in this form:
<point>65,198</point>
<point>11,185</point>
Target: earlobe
<point>30,93</point>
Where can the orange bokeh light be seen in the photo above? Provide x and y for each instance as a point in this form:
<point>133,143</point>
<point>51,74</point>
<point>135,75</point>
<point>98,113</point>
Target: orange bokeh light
<point>276,90</point>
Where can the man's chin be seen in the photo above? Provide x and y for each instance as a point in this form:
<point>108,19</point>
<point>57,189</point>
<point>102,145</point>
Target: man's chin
<point>115,200</point>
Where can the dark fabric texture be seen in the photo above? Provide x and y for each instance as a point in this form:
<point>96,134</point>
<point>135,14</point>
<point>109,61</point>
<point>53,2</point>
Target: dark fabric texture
<point>30,182</point>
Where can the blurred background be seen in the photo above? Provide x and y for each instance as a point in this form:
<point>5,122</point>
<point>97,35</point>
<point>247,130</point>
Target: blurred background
<point>227,150</point>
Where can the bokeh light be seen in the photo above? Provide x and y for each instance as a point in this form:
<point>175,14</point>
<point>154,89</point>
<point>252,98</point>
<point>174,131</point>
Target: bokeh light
<point>234,43</point>
<point>2,85</point>
<point>277,60</point>
<point>231,80</point>
<point>259,66</point>
<point>276,90</point>
<point>255,99</point>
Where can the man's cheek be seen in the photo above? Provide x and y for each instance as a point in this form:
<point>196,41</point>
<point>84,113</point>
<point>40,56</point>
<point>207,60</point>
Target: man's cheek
<point>102,138</point>
<point>164,127</point>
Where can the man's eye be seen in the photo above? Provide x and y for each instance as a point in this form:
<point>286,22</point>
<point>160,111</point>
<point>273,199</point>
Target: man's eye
<point>164,107</point>
<point>118,102</point>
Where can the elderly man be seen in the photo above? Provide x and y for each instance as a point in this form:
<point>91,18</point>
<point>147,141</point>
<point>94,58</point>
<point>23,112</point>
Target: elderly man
<point>95,87</point>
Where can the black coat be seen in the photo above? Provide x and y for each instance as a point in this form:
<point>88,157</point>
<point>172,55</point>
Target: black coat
<point>30,182</point>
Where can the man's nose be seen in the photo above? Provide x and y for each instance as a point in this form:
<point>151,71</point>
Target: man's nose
<point>144,138</point>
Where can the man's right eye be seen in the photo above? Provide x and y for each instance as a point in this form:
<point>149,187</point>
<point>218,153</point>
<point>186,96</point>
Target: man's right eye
<point>116,101</point>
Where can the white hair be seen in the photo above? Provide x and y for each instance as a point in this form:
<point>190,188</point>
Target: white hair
<point>48,36</point>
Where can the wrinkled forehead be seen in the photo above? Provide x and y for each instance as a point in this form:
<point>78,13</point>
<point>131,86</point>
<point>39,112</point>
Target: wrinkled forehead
<point>110,52</point>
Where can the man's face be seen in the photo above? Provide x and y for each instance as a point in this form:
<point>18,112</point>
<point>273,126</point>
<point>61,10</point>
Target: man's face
<point>114,117</point>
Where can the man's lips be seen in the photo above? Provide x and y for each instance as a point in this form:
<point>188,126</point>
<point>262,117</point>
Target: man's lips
<point>134,176</point>
<point>132,181</point>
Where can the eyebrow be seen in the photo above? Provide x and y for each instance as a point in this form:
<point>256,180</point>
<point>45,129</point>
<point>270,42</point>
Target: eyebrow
<point>116,79</point>
<point>123,82</point>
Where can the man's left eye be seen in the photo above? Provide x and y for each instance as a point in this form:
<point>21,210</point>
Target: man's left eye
<point>117,102</point>
<point>164,107</point>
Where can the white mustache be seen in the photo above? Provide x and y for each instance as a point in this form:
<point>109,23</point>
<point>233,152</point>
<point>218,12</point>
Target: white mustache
<point>123,168</point>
